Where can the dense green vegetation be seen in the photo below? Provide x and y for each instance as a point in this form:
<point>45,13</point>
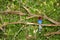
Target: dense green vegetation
<point>50,7</point>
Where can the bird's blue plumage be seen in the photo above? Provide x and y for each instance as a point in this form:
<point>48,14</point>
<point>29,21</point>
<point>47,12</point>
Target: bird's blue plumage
<point>39,21</point>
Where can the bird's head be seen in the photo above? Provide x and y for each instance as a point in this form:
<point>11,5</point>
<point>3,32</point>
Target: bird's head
<point>40,18</point>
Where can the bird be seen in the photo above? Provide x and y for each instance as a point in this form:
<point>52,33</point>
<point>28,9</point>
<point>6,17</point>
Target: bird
<point>39,22</point>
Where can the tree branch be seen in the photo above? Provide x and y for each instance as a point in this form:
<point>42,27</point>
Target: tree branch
<point>27,23</point>
<point>53,21</point>
<point>13,12</point>
<point>27,10</point>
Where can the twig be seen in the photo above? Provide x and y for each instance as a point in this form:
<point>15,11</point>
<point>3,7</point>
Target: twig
<point>33,16</point>
<point>51,33</point>
<point>13,12</point>
<point>27,10</point>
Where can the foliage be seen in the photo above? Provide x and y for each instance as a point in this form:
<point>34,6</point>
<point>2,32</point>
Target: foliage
<point>50,7</point>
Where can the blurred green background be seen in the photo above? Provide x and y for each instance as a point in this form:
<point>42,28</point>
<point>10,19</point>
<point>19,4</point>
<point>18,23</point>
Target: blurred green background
<point>50,7</point>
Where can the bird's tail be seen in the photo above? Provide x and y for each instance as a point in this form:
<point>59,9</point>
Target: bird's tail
<point>40,28</point>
